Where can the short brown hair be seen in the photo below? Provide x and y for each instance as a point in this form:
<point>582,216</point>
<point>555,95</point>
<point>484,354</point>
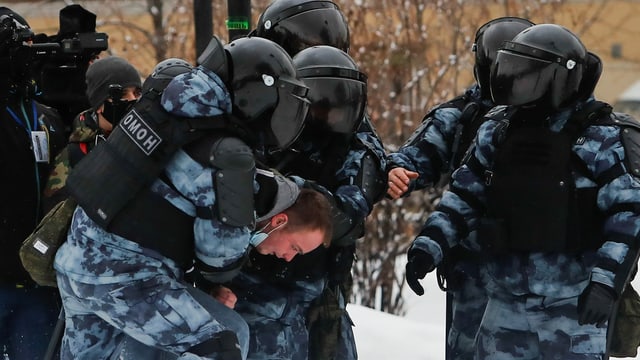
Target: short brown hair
<point>311,210</point>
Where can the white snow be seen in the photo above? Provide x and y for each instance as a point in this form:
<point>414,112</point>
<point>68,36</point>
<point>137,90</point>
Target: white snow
<point>417,336</point>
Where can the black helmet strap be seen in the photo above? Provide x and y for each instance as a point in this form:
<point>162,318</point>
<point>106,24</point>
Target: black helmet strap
<point>540,54</point>
<point>339,72</point>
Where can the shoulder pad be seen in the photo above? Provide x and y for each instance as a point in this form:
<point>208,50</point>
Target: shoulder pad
<point>498,112</point>
<point>366,126</point>
<point>233,181</point>
<point>458,102</point>
<point>630,138</point>
<point>623,119</point>
<point>371,143</point>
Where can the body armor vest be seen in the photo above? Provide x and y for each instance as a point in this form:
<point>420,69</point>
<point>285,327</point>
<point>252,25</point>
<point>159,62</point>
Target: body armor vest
<point>132,157</point>
<point>532,199</point>
<point>111,183</point>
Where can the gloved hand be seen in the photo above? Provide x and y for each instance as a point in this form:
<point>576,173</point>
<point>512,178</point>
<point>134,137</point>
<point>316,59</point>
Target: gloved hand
<point>340,260</point>
<point>595,304</point>
<point>418,265</point>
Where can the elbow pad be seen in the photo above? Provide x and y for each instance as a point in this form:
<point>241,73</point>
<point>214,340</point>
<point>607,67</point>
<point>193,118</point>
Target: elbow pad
<point>233,181</point>
<point>371,179</point>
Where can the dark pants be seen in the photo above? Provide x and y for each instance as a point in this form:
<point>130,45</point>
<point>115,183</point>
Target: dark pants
<point>28,316</point>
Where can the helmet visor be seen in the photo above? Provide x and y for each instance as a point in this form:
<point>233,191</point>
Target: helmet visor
<point>518,79</point>
<point>288,116</point>
<point>336,104</point>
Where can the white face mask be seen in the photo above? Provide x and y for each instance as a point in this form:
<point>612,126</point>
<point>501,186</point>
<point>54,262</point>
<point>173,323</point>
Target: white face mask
<point>259,236</point>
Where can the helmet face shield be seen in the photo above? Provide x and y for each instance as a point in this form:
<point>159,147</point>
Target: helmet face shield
<point>518,79</point>
<point>338,104</point>
<point>287,119</point>
<point>542,66</point>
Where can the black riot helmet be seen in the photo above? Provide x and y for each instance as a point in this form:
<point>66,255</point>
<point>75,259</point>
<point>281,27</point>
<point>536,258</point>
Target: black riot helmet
<point>267,96</point>
<point>337,90</point>
<point>164,72</point>
<point>590,77</point>
<point>299,24</point>
<point>488,40</point>
<point>542,66</point>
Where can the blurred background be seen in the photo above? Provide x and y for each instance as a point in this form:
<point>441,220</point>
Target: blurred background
<point>416,54</point>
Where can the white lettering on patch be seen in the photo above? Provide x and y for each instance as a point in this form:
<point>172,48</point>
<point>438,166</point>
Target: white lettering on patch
<point>139,132</point>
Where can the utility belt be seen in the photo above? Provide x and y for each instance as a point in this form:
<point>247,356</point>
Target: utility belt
<point>449,276</point>
<point>156,224</point>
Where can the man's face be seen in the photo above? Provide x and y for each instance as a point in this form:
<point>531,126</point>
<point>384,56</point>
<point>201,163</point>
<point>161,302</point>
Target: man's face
<point>128,94</point>
<point>285,244</point>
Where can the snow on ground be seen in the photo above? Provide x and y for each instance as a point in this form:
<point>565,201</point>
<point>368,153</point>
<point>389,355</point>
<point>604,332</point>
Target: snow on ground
<point>417,336</point>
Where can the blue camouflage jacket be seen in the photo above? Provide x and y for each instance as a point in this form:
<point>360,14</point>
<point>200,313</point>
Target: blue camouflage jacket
<point>547,274</point>
<point>430,151</point>
<point>350,195</point>
<point>92,254</point>
<point>344,189</point>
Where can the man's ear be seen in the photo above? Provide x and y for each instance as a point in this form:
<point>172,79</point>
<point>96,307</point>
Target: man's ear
<point>279,220</point>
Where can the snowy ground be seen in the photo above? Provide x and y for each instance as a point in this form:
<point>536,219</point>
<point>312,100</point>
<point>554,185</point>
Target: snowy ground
<point>417,336</point>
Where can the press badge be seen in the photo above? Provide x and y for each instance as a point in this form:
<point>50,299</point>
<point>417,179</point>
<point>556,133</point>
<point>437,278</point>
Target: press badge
<point>40,146</point>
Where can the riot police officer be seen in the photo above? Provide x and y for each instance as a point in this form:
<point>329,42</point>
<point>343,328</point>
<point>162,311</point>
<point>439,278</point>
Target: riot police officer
<point>552,191</point>
<point>173,182</point>
<point>337,151</point>
<point>436,149</point>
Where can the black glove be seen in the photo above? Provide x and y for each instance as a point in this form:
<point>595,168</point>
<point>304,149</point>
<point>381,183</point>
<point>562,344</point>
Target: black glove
<point>595,304</point>
<point>340,260</point>
<point>420,263</point>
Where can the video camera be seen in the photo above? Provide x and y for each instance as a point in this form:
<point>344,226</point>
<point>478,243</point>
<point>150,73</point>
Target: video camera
<point>52,69</point>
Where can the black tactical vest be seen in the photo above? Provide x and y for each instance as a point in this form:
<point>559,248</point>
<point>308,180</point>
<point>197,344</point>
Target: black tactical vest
<point>533,204</point>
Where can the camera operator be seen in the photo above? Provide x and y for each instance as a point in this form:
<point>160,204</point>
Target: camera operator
<point>31,135</point>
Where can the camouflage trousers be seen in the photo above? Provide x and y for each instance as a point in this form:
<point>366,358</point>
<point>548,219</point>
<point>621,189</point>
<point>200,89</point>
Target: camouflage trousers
<point>277,318</point>
<point>536,327</point>
<point>159,312</point>
<point>468,301</point>
<point>331,328</point>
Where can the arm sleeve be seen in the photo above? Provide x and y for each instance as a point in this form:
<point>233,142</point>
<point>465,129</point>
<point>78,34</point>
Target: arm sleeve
<point>460,207</point>
<point>428,151</point>
<point>619,199</point>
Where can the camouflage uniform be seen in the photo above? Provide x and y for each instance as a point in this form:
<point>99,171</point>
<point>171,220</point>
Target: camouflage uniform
<point>276,305</point>
<point>113,288</point>
<point>532,308</point>
<point>431,155</point>
<point>84,136</point>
